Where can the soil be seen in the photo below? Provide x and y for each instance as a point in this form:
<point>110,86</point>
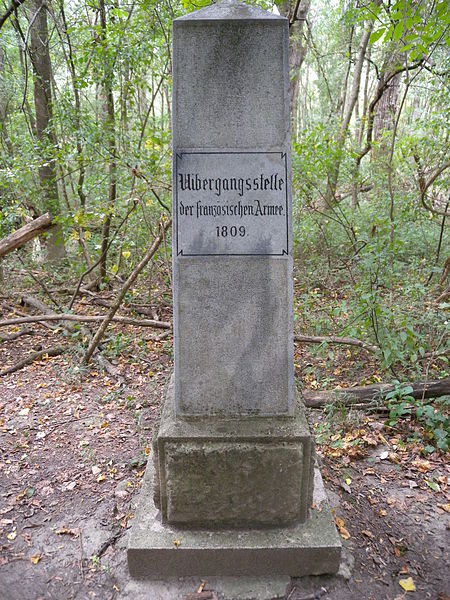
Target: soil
<point>73,450</point>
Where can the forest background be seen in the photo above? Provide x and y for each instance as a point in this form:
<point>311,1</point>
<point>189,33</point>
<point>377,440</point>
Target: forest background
<point>85,109</point>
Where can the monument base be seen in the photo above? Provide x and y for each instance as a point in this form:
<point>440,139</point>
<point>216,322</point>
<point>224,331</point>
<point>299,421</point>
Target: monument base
<point>157,551</point>
<point>217,472</point>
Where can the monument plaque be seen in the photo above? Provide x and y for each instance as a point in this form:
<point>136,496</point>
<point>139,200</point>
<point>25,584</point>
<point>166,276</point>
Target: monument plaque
<point>231,203</point>
<point>232,476</point>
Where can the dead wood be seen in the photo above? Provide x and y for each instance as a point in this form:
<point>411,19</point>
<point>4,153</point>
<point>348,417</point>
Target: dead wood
<point>36,303</point>
<point>86,319</point>
<point>370,393</point>
<point>25,234</point>
<point>24,314</point>
<point>346,341</point>
<point>14,336</point>
<point>163,227</point>
<point>55,351</point>
<point>142,310</point>
<point>46,310</point>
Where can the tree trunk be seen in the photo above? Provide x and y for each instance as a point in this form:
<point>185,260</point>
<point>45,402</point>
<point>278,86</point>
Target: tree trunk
<point>24,234</point>
<point>107,88</point>
<point>385,114</point>
<point>3,104</point>
<point>370,393</point>
<point>333,175</point>
<point>40,58</point>
<point>296,12</point>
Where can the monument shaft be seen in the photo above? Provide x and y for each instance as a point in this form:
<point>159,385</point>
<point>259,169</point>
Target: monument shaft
<point>232,216</point>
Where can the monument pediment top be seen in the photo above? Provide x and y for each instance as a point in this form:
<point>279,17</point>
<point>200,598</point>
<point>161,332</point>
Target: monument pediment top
<point>230,10</point>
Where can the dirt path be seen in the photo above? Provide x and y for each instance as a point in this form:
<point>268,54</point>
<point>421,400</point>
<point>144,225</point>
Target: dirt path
<point>73,452</point>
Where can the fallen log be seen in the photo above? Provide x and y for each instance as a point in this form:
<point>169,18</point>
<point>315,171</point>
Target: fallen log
<point>331,339</point>
<point>56,351</point>
<point>372,393</point>
<point>86,319</point>
<point>45,310</point>
<point>25,234</point>
<point>14,336</point>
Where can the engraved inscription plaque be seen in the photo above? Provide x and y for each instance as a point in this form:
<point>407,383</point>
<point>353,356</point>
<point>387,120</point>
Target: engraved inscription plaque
<point>231,203</point>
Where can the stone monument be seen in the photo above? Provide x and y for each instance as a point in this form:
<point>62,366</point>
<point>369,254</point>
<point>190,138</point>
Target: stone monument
<point>230,489</point>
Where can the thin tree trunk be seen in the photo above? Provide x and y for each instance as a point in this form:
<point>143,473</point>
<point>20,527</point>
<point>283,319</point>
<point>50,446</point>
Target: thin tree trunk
<point>296,12</point>
<point>107,86</point>
<point>40,57</point>
<point>350,105</point>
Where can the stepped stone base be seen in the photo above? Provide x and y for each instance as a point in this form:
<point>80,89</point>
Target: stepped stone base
<point>157,551</point>
<point>215,472</point>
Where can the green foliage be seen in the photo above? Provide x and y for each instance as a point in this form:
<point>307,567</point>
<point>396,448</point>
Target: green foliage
<point>434,417</point>
<point>418,25</point>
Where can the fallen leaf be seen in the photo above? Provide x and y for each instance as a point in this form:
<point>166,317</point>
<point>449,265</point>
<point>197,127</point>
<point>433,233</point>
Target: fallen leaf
<point>35,558</point>
<point>12,536</point>
<point>421,465</point>
<point>433,485</point>
<point>384,455</point>
<point>101,478</point>
<point>348,481</point>
<point>340,524</point>
<point>177,543</point>
<point>368,534</point>
<point>445,507</point>
<point>408,584</point>
<point>68,531</point>
<point>96,470</point>
<point>24,412</point>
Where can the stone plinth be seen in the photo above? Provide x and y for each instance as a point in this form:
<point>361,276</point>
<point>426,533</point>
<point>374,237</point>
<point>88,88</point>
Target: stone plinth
<point>253,472</point>
<point>310,548</point>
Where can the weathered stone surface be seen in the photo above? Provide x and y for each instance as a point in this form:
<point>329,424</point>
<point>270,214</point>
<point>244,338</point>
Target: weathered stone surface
<point>232,337</point>
<point>233,484</point>
<point>234,473</point>
<point>233,341</point>
<point>312,548</point>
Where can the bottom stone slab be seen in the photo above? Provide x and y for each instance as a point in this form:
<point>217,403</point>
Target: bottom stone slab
<point>157,550</point>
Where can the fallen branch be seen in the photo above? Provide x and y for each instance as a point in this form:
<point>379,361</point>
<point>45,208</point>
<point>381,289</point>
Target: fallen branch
<point>86,319</point>
<point>25,234</point>
<point>110,542</point>
<point>346,341</point>
<point>370,393</point>
<point>163,227</point>
<point>24,314</point>
<point>14,336</point>
<point>56,351</point>
<point>45,309</point>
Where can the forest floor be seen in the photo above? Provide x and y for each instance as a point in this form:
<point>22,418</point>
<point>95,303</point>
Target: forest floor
<point>74,445</point>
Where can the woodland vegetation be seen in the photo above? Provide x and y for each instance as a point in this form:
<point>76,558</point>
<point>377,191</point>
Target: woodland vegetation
<point>85,108</point>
